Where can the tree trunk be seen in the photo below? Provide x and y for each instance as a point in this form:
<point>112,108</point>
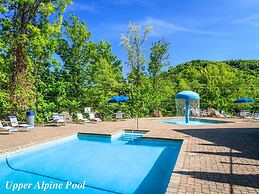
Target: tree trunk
<point>19,83</point>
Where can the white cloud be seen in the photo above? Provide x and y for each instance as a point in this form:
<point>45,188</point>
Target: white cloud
<point>252,20</point>
<point>163,28</point>
<point>81,7</point>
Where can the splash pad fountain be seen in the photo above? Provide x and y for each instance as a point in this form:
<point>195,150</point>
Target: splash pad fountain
<point>187,103</point>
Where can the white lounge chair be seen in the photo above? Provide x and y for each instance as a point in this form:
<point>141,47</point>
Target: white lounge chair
<point>223,114</point>
<point>245,114</point>
<point>87,109</point>
<point>119,115</point>
<point>80,117</point>
<point>53,119</point>
<point>220,115</point>
<point>204,113</point>
<point>14,123</point>
<point>93,118</point>
<point>7,129</point>
<point>68,117</point>
<point>57,119</point>
<point>256,116</point>
<point>62,119</point>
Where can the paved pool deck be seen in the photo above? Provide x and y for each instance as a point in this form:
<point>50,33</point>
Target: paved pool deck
<point>218,158</point>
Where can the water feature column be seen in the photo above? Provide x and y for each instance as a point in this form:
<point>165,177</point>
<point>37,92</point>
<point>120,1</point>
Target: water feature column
<point>185,100</point>
<point>187,111</point>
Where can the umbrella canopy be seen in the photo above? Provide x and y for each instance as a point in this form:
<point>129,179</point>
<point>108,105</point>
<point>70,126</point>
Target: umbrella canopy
<point>116,99</point>
<point>244,100</point>
<point>187,95</point>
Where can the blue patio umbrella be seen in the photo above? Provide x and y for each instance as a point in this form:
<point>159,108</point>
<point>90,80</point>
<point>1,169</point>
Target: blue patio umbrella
<point>244,100</point>
<point>117,99</point>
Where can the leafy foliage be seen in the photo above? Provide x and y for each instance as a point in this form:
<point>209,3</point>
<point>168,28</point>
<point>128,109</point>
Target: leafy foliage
<point>133,43</point>
<point>218,83</point>
<point>26,39</point>
<point>158,56</point>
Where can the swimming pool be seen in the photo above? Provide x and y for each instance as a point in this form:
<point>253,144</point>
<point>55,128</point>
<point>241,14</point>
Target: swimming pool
<point>92,164</point>
<point>192,122</point>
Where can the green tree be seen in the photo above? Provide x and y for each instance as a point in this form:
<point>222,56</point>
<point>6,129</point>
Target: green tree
<point>158,59</point>
<point>133,43</point>
<point>105,81</point>
<point>24,25</point>
<point>90,74</point>
<point>74,50</point>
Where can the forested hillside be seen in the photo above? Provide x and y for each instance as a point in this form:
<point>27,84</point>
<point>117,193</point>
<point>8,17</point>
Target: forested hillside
<point>219,83</point>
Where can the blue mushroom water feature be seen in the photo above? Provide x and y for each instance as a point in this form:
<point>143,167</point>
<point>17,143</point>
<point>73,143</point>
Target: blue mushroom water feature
<point>186,100</point>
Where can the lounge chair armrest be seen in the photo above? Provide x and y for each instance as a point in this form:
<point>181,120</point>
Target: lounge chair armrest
<point>6,123</point>
<point>22,122</point>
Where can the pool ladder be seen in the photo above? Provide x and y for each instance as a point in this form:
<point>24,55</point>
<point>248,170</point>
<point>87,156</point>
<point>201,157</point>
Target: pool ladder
<point>135,122</point>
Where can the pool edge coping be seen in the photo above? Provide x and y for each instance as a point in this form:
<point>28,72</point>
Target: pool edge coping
<point>145,136</point>
<point>174,182</point>
<point>35,145</point>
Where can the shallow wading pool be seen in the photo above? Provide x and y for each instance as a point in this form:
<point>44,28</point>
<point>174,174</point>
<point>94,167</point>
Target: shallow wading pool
<point>192,122</point>
<point>123,163</point>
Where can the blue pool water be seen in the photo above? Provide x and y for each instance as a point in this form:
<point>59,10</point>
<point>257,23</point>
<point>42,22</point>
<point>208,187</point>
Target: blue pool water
<point>191,122</point>
<point>92,164</point>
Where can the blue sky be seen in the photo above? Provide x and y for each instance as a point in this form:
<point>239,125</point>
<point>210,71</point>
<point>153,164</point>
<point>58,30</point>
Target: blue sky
<point>196,29</point>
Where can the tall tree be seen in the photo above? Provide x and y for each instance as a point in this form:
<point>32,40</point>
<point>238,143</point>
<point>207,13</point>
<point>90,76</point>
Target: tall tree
<point>75,51</point>
<point>158,59</point>
<point>104,78</point>
<point>23,23</point>
<point>133,43</point>
<point>90,73</point>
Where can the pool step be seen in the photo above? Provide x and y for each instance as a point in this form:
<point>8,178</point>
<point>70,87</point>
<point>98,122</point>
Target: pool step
<point>130,136</point>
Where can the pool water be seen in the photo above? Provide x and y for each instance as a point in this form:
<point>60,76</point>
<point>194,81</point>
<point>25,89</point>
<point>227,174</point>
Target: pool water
<point>191,122</point>
<point>123,163</point>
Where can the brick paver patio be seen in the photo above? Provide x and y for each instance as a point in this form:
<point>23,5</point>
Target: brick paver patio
<point>222,158</point>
